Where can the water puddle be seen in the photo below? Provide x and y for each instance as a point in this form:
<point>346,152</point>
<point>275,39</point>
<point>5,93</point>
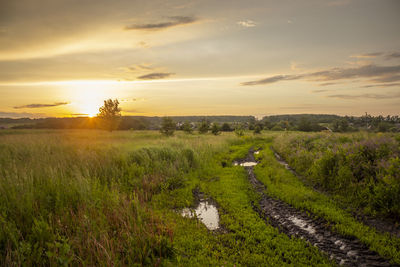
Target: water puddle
<point>206,212</point>
<point>246,164</point>
<point>302,224</point>
<point>257,152</point>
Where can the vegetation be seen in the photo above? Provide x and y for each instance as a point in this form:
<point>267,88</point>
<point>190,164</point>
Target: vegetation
<point>110,115</point>
<point>204,126</point>
<point>167,126</point>
<point>100,198</point>
<point>187,127</point>
<point>301,122</point>
<point>361,169</point>
<point>226,127</point>
<point>215,129</point>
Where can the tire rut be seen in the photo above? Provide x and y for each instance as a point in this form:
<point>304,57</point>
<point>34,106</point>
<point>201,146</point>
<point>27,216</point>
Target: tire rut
<point>343,250</point>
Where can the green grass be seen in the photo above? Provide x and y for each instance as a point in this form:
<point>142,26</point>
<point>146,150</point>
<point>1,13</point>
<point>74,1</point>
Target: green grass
<point>89,197</point>
<point>246,239</point>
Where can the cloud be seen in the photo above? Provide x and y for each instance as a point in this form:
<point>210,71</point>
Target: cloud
<point>393,55</point>
<point>368,55</point>
<point>16,115</point>
<point>155,76</point>
<point>327,84</point>
<point>133,99</point>
<point>42,105</point>
<point>367,96</point>
<point>139,67</point>
<point>273,79</point>
<point>321,91</point>
<point>382,85</point>
<point>174,21</point>
<point>375,72</point>
<point>247,23</point>
<point>387,79</point>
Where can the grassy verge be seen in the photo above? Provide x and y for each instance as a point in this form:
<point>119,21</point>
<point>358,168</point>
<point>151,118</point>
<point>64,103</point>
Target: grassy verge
<point>282,184</point>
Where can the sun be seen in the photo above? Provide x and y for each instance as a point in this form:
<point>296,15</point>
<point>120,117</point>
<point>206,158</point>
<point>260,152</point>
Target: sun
<point>87,96</point>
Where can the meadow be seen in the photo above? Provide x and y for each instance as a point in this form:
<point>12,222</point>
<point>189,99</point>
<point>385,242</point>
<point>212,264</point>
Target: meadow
<point>89,197</point>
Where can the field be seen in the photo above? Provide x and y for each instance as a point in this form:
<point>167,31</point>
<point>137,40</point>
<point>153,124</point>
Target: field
<point>88,197</point>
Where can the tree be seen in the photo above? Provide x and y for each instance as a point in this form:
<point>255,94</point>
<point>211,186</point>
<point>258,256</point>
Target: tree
<point>258,128</point>
<point>187,127</point>
<point>239,130</point>
<point>215,129</point>
<point>304,125</point>
<point>167,126</point>
<point>110,115</point>
<point>226,127</point>
<point>204,126</point>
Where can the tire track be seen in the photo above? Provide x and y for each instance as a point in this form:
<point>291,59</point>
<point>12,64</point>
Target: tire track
<point>344,251</point>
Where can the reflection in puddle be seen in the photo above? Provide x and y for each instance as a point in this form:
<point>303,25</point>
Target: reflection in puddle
<point>302,224</point>
<point>206,212</point>
<point>248,164</point>
<point>257,152</point>
<point>245,164</point>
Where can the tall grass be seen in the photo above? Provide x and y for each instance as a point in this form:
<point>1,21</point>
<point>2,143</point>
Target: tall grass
<point>81,197</point>
<point>363,168</point>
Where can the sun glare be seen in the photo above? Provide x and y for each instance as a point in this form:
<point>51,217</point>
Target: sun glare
<point>87,97</point>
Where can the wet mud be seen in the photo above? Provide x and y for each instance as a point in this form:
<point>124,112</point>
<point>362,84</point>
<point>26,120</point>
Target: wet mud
<point>344,251</point>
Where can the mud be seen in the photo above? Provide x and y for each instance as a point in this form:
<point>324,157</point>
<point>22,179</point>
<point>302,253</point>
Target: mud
<point>380,224</point>
<point>344,251</point>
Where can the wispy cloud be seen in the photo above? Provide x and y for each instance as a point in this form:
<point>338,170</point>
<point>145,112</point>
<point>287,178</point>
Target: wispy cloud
<point>327,84</point>
<point>374,72</point>
<point>173,21</point>
<point>20,115</point>
<point>321,91</point>
<point>393,55</point>
<point>387,56</point>
<point>382,85</point>
<point>139,67</point>
<point>42,105</point>
<point>368,55</point>
<point>247,23</point>
<point>367,96</point>
<point>155,76</point>
<point>273,79</point>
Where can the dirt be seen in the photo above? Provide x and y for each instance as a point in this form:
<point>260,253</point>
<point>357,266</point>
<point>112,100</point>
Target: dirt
<point>344,251</point>
<point>383,225</point>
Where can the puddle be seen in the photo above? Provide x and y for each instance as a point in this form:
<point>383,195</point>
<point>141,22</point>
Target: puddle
<point>206,212</point>
<point>257,152</point>
<point>246,164</point>
<point>302,224</point>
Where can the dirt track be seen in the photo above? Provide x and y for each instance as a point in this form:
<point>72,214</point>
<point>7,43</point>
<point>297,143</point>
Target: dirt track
<point>345,251</point>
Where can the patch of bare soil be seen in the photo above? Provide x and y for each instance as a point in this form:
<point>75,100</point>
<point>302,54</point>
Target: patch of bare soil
<point>345,251</point>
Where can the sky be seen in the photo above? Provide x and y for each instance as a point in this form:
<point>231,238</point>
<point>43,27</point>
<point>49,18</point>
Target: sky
<point>63,58</point>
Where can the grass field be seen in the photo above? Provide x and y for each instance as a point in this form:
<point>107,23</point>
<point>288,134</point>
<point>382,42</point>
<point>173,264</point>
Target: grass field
<point>89,197</point>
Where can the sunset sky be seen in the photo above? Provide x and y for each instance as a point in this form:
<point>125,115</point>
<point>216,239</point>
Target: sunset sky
<point>62,58</point>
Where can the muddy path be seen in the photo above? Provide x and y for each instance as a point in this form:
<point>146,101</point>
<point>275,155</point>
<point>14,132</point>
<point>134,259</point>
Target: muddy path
<point>380,224</point>
<point>344,251</point>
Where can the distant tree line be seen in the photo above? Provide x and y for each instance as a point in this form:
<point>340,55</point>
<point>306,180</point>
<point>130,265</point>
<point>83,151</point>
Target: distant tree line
<point>218,124</point>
